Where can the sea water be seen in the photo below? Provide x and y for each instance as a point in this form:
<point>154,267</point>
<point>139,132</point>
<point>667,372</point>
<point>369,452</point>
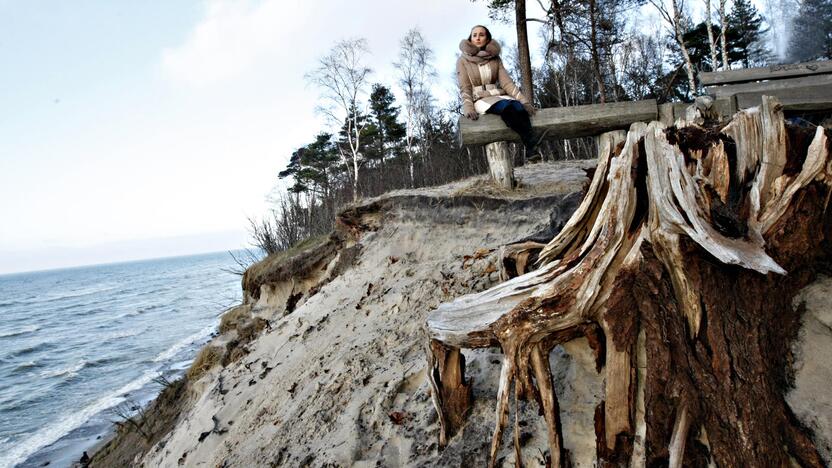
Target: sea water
<point>78,345</point>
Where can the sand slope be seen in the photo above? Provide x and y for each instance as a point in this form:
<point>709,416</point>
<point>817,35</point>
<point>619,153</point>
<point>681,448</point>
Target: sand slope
<point>339,381</point>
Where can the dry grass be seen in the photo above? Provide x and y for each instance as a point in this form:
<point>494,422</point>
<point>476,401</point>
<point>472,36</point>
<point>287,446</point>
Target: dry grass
<point>256,273</point>
<point>533,180</point>
<point>234,317</point>
<point>207,358</point>
<point>250,329</point>
<point>484,186</point>
<point>157,420</point>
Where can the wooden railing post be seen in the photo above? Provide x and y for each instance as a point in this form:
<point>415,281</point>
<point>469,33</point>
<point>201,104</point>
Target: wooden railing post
<point>500,164</point>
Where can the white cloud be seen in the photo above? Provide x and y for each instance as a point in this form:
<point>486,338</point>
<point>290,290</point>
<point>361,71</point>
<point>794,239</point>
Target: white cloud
<point>200,149</point>
<point>236,37</point>
<point>232,38</point>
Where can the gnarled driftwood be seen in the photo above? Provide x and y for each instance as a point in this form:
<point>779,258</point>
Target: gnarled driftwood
<point>685,253</point>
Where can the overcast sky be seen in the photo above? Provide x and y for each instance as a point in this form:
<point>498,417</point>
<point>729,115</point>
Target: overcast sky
<point>163,124</point>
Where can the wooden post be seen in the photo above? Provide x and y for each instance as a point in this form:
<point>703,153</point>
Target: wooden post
<point>666,114</point>
<point>500,164</point>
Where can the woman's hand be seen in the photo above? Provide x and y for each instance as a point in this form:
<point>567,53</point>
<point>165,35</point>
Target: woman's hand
<point>530,109</point>
<point>472,115</point>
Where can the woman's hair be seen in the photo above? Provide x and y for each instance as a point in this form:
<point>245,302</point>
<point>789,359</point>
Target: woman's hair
<point>487,32</point>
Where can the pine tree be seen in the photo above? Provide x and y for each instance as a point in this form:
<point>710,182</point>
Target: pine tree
<point>292,170</point>
<point>698,45</point>
<point>312,167</point>
<point>384,132</point>
<point>812,31</point>
<point>745,35</point>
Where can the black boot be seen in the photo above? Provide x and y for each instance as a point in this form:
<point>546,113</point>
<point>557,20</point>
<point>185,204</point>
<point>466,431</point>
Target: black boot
<point>518,120</point>
<point>530,141</point>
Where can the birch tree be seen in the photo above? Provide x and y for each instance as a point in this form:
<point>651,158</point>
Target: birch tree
<point>711,42</point>
<point>673,17</point>
<point>343,79</point>
<point>723,27</point>
<point>415,75</point>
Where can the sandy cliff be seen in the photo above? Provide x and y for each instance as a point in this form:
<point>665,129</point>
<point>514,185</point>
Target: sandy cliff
<point>323,365</point>
<point>339,379</point>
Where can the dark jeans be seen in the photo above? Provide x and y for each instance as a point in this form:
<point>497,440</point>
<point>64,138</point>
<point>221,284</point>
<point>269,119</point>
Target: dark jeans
<point>516,118</point>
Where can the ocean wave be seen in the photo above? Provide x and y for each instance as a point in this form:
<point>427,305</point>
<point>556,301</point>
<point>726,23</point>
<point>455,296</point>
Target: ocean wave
<point>179,346</point>
<point>123,334</point>
<point>93,311</point>
<point>85,307</point>
<point>20,331</point>
<point>24,401</point>
<point>68,372</point>
<point>139,311</point>
<point>26,367</point>
<point>48,435</point>
<point>75,294</point>
<point>42,346</point>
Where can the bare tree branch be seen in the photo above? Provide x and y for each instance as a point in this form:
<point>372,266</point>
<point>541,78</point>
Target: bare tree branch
<point>343,78</point>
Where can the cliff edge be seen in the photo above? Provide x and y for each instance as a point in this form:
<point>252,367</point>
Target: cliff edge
<point>324,362</point>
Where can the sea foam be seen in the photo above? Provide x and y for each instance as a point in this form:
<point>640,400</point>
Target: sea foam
<point>68,422</point>
<point>179,346</point>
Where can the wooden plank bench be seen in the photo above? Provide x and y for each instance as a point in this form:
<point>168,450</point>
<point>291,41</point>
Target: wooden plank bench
<point>560,122</point>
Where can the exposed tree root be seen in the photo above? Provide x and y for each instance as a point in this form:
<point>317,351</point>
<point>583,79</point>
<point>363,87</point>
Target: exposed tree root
<point>684,253</point>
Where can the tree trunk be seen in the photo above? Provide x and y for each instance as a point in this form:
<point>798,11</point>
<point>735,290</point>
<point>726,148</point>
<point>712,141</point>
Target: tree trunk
<point>723,26</point>
<point>355,152</point>
<point>711,42</point>
<point>523,49</point>
<point>684,256</point>
<point>409,139</point>
<point>596,56</point>
<point>677,26</point>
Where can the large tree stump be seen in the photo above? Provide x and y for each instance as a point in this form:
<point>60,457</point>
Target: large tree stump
<point>684,254</point>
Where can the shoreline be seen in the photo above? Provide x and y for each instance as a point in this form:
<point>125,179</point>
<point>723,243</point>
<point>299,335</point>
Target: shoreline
<point>99,444</point>
<point>101,428</point>
<point>67,450</point>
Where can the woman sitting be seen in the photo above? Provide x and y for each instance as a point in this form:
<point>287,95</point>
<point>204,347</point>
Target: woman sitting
<point>488,89</point>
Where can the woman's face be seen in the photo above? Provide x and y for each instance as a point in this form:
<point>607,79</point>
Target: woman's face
<point>478,37</point>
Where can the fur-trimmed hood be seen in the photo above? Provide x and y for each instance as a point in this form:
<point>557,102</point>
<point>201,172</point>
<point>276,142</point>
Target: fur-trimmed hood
<point>473,54</point>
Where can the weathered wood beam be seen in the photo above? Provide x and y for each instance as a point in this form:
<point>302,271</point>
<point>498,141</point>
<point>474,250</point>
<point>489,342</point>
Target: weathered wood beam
<point>765,73</point>
<point>801,98</point>
<point>769,87</point>
<point>562,122</point>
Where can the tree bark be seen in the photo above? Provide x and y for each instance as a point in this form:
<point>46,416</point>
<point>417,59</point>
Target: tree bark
<point>596,56</point>
<point>684,256</point>
<point>711,42</point>
<point>685,55</point>
<point>723,26</point>
<point>523,49</point>
<point>673,17</point>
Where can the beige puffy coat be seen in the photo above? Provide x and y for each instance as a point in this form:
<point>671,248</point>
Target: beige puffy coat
<point>483,80</point>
